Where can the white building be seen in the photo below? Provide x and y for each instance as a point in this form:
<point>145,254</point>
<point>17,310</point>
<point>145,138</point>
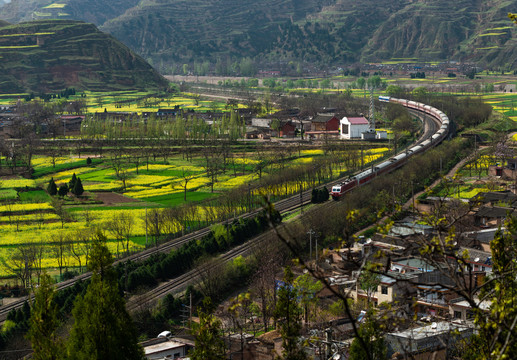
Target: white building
<point>165,348</point>
<point>352,127</point>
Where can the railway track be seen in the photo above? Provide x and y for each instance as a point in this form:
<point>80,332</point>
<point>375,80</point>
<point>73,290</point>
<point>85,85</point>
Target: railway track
<point>181,282</point>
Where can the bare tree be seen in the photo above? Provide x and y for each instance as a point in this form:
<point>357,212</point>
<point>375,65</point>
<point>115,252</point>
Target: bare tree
<point>121,226</point>
<point>211,278</point>
<point>186,176</point>
<point>60,246</point>
<point>21,263</point>
<point>263,284</point>
<point>154,222</point>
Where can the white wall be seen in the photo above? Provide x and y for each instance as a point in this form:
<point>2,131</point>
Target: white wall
<point>354,131</point>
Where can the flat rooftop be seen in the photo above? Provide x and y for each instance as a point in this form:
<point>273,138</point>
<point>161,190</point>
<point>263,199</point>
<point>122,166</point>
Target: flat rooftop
<point>164,346</point>
<point>431,330</point>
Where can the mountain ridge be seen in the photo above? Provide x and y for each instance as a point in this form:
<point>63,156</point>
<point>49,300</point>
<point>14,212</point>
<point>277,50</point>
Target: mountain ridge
<point>316,31</point>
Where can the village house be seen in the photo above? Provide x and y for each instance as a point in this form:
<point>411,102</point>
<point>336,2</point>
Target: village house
<point>353,127</point>
<point>427,342</point>
<point>71,123</point>
<point>261,122</point>
<point>392,287</point>
<point>324,125</point>
<point>462,310</point>
<point>493,216</point>
<point>495,198</point>
<point>169,112</point>
<point>115,115</point>
<point>262,134</point>
<point>287,129</point>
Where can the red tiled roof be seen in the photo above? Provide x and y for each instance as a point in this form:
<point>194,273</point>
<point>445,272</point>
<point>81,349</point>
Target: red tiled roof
<point>358,120</point>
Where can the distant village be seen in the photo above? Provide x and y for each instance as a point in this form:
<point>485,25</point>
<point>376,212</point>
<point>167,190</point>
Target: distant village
<point>285,124</point>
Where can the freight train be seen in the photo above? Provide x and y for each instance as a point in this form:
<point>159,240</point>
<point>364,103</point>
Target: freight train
<point>401,158</point>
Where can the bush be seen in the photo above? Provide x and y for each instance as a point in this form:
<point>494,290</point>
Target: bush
<point>67,275</point>
<point>88,161</point>
<point>319,195</point>
<point>63,190</point>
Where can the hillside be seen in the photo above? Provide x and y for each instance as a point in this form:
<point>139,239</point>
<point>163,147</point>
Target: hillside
<point>93,11</point>
<point>55,54</point>
<point>473,30</point>
<point>317,31</point>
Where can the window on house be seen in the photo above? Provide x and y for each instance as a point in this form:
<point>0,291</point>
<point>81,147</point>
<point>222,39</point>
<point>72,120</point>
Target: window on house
<point>457,314</point>
<point>384,290</point>
<point>177,355</point>
<point>344,129</point>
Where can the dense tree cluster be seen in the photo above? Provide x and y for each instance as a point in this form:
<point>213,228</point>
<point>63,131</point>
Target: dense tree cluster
<point>220,239</point>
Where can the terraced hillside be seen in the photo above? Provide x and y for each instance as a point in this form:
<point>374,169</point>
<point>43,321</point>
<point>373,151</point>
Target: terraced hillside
<point>55,54</point>
<point>476,30</point>
<point>324,31</point>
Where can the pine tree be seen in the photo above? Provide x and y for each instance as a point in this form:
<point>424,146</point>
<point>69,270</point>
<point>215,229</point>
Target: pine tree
<point>52,187</point>
<point>103,328</point>
<point>209,344</point>
<point>71,183</point>
<point>289,314</point>
<point>44,323</point>
<point>372,345</point>
<point>78,189</point>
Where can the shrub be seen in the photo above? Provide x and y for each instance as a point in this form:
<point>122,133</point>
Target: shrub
<point>63,190</point>
<point>319,195</point>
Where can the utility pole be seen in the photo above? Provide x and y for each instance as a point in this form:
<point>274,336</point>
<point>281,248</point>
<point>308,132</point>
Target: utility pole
<point>249,197</point>
<point>310,232</point>
<point>146,227</point>
<point>316,247</point>
<point>413,196</point>
<point>301,198</point>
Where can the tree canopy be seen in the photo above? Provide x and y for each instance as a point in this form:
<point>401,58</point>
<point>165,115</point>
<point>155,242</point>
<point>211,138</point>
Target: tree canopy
<point>102,328</point>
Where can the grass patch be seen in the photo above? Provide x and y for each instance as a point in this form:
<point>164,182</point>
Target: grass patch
<point>19,47</point>
<point>8,194</point>
<point>55,6</point>
<point>35,196</point>
<point>101,175</point>
<point>40,171</point>
<point>177,198</point>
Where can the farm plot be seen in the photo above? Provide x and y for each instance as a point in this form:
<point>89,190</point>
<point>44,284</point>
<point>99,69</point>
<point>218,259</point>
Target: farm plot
<point>62,226</point>
<point>503,103</point>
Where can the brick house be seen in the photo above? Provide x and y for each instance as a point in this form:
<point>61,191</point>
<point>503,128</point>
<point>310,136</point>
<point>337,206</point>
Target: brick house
<point>325,122</point>
<point>287,129</point>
